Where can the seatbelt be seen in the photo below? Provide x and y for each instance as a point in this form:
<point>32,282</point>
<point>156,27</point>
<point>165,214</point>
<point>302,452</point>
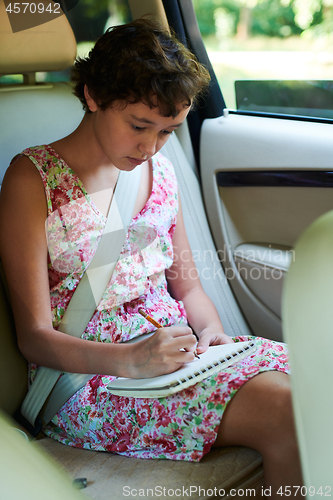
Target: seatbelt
<point>84,301</point>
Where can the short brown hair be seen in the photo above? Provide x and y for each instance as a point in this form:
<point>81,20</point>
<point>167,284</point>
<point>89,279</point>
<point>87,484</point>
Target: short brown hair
<point>139,62</point>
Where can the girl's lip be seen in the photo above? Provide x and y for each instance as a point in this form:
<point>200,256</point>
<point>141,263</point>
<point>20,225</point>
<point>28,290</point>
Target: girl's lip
<point>135,161</point>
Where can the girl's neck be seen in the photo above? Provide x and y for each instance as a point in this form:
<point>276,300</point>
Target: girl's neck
<point>81,151</point>
<point>81,154</point>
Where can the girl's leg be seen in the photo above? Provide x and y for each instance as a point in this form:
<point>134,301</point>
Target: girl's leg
<point>260,416</point>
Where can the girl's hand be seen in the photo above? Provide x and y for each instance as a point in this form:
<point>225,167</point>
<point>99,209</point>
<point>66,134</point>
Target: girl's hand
<point>164,352</point>
<point>211,336</point>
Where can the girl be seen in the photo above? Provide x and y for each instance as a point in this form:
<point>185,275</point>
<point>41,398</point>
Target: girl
<point>137,86</point>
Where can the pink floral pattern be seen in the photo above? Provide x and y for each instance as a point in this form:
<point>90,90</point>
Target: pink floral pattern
<point>179,427</point>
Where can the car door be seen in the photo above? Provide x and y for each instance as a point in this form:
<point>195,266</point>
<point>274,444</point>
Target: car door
<point>265,178</point>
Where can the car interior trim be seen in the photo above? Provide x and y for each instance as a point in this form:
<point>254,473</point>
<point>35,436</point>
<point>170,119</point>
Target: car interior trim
<point>284,116</point>
<point>292,178</point>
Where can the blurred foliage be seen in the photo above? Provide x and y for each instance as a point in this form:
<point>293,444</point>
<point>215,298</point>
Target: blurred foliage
<point>223,19</point>
<point>114,7</point>
<point>273,18</point>
<point>90,18</point>
<point>270,18</point>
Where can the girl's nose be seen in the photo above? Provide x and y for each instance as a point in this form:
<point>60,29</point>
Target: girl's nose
<point>148,146</point>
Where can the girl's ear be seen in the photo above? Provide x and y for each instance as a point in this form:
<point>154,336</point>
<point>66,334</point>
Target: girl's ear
<point>89,100</point>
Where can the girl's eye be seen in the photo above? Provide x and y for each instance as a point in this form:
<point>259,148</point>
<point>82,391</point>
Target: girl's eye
<point>166,132</point>
<point>135,127</point>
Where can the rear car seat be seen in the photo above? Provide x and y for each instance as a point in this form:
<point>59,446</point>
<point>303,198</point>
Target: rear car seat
<point>33,114</point>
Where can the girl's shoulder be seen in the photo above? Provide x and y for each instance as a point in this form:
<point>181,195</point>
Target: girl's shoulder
<point>44,157</point>
<point>60,182</point>
<point>22,170</point>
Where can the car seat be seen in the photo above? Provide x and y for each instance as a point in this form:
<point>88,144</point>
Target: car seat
<point>36,113</point>
<point>308,326</point>
<point>28,472</point>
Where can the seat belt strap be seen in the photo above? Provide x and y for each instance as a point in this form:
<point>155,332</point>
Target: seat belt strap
<point>84,301</point>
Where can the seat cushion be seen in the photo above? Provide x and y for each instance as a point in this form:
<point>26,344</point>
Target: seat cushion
<point>115,476</point>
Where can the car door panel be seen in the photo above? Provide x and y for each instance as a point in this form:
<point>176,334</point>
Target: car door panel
<point>263,269</point>
<point>264,181</point>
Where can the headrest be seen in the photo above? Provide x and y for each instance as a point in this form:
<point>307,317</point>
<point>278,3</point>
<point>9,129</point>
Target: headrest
<point>50,46</point>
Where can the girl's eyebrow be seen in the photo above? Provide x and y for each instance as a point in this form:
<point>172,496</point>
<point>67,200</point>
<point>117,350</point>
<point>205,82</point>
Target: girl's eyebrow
<point>149,122</point>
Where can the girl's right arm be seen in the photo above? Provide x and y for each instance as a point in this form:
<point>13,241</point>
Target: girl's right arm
<point>23,249</point>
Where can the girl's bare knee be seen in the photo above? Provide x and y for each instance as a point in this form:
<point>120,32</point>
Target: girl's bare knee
<point>279,433</point>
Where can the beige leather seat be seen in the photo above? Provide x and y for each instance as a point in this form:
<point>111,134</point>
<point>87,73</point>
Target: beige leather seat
<point>34,114</point>
<point>28,472</point>
<point>308,329</point>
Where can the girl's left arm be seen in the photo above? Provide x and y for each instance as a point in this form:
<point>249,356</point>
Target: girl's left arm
<point>184,284</point>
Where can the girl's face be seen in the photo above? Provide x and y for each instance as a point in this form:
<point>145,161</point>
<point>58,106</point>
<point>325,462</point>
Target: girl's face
<point>128,136</point>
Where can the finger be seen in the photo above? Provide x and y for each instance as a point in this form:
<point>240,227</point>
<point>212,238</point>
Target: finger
<point>223,339</point>
<point>174,339</point>
<point>205,341</point>
<point>187,342</point>
<point>180,330</point>
<point>202,346</point>
<point>181,356</point>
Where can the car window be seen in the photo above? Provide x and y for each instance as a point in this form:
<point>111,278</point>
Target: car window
<point>271,56</point>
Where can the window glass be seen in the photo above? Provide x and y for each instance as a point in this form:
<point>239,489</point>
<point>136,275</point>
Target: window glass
<point>276,54</point>
<point>89,19</point>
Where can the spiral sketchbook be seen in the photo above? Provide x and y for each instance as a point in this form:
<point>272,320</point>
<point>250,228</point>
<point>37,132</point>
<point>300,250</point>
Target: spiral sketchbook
<point>215,359</point>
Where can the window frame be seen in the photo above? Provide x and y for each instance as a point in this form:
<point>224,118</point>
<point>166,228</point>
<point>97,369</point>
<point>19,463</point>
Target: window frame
<point>182,18</point>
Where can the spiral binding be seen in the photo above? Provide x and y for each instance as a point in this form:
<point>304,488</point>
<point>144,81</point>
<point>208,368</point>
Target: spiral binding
<point>214,365</point>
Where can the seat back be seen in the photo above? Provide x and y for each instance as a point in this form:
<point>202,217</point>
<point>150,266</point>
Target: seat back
<point>307,315</point>
<point>35,113</point>
<point>30,114</point>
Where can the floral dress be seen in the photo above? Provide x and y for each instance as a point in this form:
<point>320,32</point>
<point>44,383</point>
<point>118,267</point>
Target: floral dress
<point>183,426</point>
